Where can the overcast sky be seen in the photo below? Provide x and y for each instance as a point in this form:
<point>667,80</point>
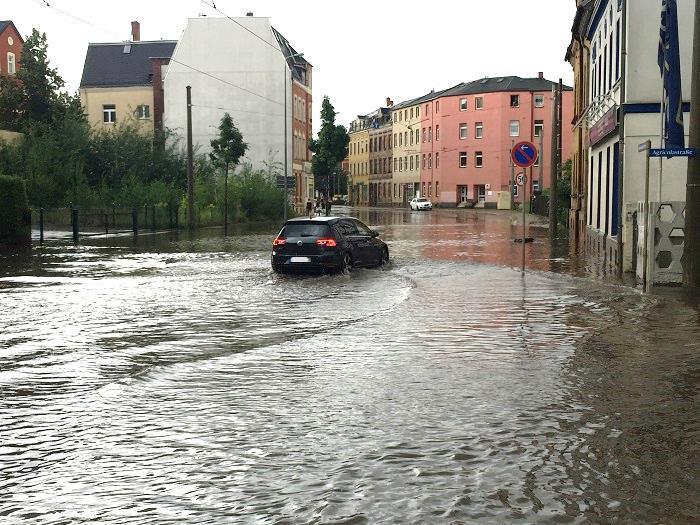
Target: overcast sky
<point>362,51</point>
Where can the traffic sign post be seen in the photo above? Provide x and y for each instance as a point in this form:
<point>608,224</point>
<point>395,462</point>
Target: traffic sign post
<point>524,155</point>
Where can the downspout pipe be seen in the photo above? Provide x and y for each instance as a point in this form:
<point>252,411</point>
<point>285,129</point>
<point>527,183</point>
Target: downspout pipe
<point>621,160</point>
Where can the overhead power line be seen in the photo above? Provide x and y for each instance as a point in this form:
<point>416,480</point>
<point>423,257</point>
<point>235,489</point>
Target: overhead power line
<point>213,6</point>
<point>45,3</point>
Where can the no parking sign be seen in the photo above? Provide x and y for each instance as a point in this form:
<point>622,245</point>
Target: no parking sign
<point>524,154</point>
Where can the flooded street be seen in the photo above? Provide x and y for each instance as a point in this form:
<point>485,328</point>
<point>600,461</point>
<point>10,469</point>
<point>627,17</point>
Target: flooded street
<point>176,379</point>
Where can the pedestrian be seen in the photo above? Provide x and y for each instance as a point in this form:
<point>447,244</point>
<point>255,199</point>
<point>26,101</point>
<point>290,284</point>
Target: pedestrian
<point>310,208</point>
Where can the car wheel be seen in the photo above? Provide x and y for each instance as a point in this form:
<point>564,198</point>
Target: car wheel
<point>346,267</point>
<point>385,257</point>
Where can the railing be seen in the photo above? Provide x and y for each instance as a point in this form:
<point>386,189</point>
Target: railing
<point>104,221</point>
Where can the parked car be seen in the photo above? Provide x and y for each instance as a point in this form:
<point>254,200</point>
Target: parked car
<point>327,244</point>
<point>421,203</point>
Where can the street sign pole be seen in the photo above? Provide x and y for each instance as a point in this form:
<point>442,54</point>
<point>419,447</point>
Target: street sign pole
<point>646,146</point>
<point>524,155</point>
<point>522,272</point>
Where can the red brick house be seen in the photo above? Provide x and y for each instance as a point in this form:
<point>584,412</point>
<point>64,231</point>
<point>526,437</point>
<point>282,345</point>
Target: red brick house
<point>11,43</point>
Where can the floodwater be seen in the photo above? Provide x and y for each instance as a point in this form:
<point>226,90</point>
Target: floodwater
<point>176,379</point>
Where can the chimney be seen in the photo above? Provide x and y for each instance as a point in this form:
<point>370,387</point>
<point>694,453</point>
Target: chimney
<point>249,13</point>
<point>540,75</point>
<point>135,31</point>
<point>389,102</point>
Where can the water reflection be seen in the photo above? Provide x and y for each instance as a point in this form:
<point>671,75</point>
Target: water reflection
<point>176,379</point>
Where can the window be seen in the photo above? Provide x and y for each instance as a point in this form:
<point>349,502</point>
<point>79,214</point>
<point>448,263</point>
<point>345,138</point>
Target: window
<point>463,130</point>
<point>400,163</point>
<point>437,107</point>
<point>396,164</point>
<point>535,186</point>
<point>539,128</point>
<point>411,135</point>
<point>423,191</point>
<point>405,138</point>
<point>109,113</point>
<point>11,67</point>
<point>462,104</point>
<point>514,128</point>
<point>417,111</point>
<point>426,109</point>
<point>400,139</point>
<point>405,114</point>
<point>430,134</point>
<point>424,161</point>
<point>424,135</point>
<point>539,101</point>
<point>430,161</point>
<point>430,189</point>
<point>395,139</point>
<point>515,190</point>
<point>479,130</point>
<point>394,117</point>
<point>437,183</point>
<point>417,164</point>
<point>417,136</point>
<point>463,159</point>
<point>515,101</point>
<point>411,113</point>
<point>437,132</point>
<point>437,161</point>
<point>479,102</point>
<point>411,162</point>
<point>478,159</point>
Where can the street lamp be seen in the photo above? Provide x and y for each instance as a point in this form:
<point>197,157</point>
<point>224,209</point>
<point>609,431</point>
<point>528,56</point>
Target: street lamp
<point>286,162</point>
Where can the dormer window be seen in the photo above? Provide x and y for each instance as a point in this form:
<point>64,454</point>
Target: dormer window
<point>127,49</point>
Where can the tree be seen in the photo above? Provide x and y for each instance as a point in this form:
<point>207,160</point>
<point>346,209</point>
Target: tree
<point>34,94</point>
<point>329,149</point>
<point>226,150</point>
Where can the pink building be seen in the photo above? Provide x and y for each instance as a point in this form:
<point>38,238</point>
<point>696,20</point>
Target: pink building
<point>467,133</point>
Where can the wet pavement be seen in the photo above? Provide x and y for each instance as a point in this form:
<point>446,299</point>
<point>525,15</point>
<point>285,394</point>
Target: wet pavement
<point>176,379</point>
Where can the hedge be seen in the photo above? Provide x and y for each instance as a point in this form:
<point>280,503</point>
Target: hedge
<point>15,218</point>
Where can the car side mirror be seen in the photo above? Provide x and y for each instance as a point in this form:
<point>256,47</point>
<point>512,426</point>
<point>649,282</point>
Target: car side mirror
<point>375,233</point>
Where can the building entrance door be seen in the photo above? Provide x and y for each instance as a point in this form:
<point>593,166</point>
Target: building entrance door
<point>481,192</point>
<point>462,192</point>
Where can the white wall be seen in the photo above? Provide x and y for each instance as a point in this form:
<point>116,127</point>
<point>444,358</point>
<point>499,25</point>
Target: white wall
<point>643,25</point>
<point>223,49</point>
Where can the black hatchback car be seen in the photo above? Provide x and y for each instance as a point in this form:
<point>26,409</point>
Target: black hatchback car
<point>326,244</point>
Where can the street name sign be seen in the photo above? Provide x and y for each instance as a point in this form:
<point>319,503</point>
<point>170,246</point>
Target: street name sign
<point>524,154</point>
<point>673,152</point>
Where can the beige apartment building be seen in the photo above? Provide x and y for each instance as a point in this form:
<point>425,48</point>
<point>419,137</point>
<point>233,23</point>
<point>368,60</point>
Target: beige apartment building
<point>358,157</point>
<point>406,119</point>
<point>122,82</point>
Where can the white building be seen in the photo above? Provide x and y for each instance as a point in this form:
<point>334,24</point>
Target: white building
<point>235,66</point>
<point>618,121</point>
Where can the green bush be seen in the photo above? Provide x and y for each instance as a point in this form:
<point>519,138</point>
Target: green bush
<point>14,210</point>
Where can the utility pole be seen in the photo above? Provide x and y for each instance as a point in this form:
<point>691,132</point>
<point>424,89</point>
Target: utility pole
<point>226,201</point>
<point>691,248</point>
<point>190,163</point>
<point>286,161</point>
<point>554,167</point>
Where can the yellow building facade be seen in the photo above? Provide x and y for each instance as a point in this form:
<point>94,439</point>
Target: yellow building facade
<point>358,162</point>
<point>406,118</point>
<point>106,108</point>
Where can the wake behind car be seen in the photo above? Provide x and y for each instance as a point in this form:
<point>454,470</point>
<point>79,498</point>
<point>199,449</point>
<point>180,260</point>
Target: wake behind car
<point>421,203</point>
<point>326,244</point>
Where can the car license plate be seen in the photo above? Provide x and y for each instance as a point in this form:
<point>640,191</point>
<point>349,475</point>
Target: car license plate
<point>300,260</point>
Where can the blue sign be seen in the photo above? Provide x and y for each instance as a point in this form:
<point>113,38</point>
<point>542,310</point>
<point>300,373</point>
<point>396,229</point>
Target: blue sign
<point>524,154</point>
<point>673,152</point>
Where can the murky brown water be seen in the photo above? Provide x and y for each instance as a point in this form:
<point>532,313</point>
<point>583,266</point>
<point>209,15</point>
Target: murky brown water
<point>177,380</point>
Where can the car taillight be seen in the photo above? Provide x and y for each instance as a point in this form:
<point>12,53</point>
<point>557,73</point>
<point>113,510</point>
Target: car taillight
<point>328,243</point>
<point>279,241</point>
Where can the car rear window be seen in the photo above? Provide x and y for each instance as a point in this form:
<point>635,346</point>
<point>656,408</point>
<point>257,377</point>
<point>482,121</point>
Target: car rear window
<point>422,200</point>
<point>306,230</point>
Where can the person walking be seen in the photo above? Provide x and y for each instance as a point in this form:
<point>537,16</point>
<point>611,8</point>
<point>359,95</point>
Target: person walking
<point>310,208</point>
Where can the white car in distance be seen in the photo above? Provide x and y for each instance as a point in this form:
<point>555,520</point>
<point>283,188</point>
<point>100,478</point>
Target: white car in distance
<point>420,203</point>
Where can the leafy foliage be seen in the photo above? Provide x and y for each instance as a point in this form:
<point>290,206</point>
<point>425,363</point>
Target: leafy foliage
<point>329,149</point>
<point>229,147</point>
<point>13,206</point>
